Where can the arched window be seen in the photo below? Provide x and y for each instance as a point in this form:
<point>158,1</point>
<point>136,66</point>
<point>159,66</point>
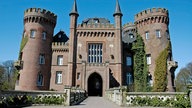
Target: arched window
<point>42,59</point>
<point>40,79</point>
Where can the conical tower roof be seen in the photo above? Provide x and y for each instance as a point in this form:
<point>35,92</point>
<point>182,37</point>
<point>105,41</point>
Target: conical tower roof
<point>74,9</point>
<point>117,9</point>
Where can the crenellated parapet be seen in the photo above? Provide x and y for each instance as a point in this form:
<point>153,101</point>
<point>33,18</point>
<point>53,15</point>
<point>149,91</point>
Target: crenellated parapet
<point>154,15</point>
<point>96,26</point>
<point>129,27</point>
<point>91,33</point>
<point>60,47</point>
<point>38,15</point>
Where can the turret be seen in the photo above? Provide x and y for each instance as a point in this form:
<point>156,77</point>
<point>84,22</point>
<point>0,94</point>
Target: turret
<point>118,41</point>
<point>72,45</point>
<point>35,52</point>
<point>152,25</point>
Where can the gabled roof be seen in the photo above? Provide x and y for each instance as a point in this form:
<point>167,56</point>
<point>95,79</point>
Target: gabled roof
<point>60,37</point>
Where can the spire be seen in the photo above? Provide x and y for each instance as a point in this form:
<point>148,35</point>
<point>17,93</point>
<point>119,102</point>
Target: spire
<point>74,9</point>
<point>117,9</point>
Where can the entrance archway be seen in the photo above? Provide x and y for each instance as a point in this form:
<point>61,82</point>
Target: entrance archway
<point>95,85</point>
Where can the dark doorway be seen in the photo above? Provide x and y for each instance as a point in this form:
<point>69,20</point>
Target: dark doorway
<point>95,85</point>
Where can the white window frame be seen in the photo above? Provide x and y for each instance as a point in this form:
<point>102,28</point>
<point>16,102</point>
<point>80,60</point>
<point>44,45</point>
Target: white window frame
<point>44,35</point>
<point>33,33</point>
<point>95,52</point>
<point>40,79</point>
<point>147,35</point>
<point>148,56</point>
<point>60,60</point>
<point>59,77</point>
<point>42,59</point>
<point>158,33</point>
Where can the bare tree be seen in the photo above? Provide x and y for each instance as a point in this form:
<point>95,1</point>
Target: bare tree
<point>184,78</point>
<point>2,70</point>
<point>7,75</point>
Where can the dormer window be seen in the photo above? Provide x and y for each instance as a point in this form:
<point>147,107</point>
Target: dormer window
<point>96,21</point>
<point>59,36</point>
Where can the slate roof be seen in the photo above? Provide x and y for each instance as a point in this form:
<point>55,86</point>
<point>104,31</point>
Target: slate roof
<point>95,20</point>
<point>60,37</point>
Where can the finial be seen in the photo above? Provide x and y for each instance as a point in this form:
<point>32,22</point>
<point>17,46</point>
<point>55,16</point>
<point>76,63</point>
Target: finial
<point>74,9</point>
<point>117,9</point>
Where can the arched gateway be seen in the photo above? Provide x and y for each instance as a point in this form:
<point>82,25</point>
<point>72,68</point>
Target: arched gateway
<point>95,85</point>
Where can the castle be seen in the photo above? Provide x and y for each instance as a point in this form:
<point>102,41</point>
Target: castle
<point>96,56</point>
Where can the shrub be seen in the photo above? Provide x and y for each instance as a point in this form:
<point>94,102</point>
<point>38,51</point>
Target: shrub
<point>181,101</point>
<point>160,73</point>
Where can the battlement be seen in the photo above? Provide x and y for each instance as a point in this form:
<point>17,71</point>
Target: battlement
<point>60,47</point>
<point>59,44</point>
<point>40,16</point>
<point>129,27</point>
<point>96,25</point>
<point>130,24</point>
<point>40,12</point>
<point>151,12</point>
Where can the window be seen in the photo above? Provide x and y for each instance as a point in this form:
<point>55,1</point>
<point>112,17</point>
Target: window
<point>40,80</point>
<point>158,33</point>
<point>128,61</point>
<point>147,35</point>
<point>95,53</point>
<point>44,34</point>
<point>42,59</point>
<point>59,36</point>
<point>24,34</point>
<point>58,77</point>
<point>59,60</point>
<point>78,76</point>
<point>131,36</point>
<point>148,59</point>
<point>129,78</point>
<point>167,34</point>
<point>33,33</point>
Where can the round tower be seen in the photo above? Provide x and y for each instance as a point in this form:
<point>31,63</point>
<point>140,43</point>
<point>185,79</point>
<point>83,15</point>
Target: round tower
<point>152,25</point>
<point>35,52</point>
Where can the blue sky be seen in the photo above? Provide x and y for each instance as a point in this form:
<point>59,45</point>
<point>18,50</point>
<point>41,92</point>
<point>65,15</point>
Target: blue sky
<point>12,12</point>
